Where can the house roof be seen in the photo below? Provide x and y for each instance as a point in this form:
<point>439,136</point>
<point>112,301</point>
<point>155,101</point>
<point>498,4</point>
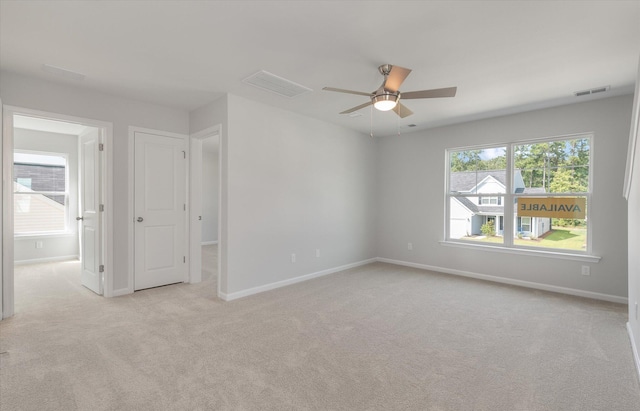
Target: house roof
<point>465,181</point>
<point>468,204</point>
<point>479,209</point>
<point>195,51</point>
<point>534,190</point>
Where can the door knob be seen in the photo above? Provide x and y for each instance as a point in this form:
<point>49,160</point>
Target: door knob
<point>140,219</point>
<point>79,218</point>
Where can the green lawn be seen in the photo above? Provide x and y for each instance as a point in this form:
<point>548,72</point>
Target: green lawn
<point>567,238</point>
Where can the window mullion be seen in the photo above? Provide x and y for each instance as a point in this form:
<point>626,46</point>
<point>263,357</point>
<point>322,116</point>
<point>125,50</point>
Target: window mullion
<point>508,200</point>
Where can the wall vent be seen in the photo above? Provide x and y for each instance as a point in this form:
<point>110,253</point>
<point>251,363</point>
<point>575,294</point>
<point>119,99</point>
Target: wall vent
<point>592,91</point>
<point>270,82</point>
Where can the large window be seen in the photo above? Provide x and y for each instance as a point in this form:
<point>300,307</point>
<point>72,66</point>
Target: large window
<point>542,186</point>
<point>40,193</point>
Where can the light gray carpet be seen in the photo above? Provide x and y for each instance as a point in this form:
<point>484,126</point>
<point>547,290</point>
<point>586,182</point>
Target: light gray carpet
<point>378,337</point>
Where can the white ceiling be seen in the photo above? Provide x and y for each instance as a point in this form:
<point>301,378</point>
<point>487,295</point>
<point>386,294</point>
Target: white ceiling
<point>503,56</point>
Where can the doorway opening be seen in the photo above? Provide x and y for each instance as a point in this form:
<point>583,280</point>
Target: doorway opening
<point>56,240</point>
<point>205,182</point>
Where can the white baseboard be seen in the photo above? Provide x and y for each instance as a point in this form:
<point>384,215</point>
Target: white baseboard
<point>283,283</point>
<point>634,349</point>
<point>521,283</point>
<point>209,242</point>
<point>46,260</point>
<point>121,291</point>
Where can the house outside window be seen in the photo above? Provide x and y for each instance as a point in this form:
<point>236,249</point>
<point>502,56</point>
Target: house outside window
<point>525,224</point>
<point>40,193</point>
<point>546,205</point>
<point>489,200</point>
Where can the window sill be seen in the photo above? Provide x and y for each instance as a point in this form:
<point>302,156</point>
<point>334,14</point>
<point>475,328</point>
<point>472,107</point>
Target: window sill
<point>522,251</point>
<point>34,236</point>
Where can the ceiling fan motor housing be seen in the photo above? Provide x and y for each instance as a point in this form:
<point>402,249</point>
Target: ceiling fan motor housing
<point>385,100</point>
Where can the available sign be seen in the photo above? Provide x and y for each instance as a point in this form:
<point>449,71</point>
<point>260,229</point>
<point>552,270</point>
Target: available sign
<point>555,207</point>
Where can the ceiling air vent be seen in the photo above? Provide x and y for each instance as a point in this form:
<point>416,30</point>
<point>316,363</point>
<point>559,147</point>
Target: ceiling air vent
<point>592,91</point>
<point>271,82</point>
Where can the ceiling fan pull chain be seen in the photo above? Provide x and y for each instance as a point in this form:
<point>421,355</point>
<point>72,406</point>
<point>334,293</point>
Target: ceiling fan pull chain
<point>371,123</point>
<point>398,120</point>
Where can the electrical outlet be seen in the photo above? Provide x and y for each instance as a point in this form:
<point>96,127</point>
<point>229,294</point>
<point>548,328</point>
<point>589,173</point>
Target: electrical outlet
<point>409,246</point>
<point>586,270</point>
<point>293,258</point>
<point>317,253</point>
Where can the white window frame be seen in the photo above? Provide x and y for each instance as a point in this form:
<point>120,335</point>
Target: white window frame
<point>509,199</point>
<point>67,226</point>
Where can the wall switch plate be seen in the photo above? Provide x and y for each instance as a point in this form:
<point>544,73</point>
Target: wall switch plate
<point>293,258</point>
<point>409,246</point>
<point>317,252</point>
<point>586,270</point>
<point>39,244</point>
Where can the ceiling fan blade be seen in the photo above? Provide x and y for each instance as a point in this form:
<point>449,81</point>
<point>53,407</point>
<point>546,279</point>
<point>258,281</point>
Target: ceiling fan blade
<point>435,93</point>
<point>396,77</point>
<point>402,110</point>
<point>356,108</point>
<point>341,90</point>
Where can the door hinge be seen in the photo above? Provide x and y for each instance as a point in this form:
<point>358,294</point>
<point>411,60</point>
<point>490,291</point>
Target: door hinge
<point>184,207</point>
<point>101,268</point>
<point>184,259</point>
<point>184,154</point>
<point>101,207</point>
<point>100,147</point>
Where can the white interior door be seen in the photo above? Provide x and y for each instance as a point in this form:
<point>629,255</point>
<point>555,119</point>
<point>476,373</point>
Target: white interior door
<point>90,224</point>
<point>160,210</point>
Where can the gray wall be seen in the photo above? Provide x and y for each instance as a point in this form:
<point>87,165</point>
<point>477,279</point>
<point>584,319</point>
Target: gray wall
<point>295,185</point>
<point>634,232</point>
<point>410,195</point>
<point>26,92</point>
<point>54,246</point>
<point>290,184</point>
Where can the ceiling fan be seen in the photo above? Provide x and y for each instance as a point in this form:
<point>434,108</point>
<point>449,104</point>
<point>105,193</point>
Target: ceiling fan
<point>387,96</point>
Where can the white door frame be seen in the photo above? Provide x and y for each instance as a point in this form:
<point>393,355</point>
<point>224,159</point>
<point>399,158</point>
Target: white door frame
<point>7,198</point>
<point>2,210</point>
<point>195,200</point>
<point>130,212</point>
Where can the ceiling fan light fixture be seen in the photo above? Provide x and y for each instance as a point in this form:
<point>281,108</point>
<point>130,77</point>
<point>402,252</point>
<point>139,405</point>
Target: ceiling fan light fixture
<point>385,101</point>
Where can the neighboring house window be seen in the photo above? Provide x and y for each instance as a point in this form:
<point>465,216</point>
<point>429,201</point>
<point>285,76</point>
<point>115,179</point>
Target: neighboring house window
<point>489,200</point>
<point>545,187</point>
<point>40,193</point>
<point>525,224</point>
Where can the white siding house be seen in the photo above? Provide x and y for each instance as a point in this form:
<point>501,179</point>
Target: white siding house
<point>469,214</point>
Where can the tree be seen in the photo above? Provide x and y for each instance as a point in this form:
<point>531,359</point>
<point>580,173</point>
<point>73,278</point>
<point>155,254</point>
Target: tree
<point>488,229</point>
<point>538,162</point>
<point>565,180</point>
<point>465,160</point>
